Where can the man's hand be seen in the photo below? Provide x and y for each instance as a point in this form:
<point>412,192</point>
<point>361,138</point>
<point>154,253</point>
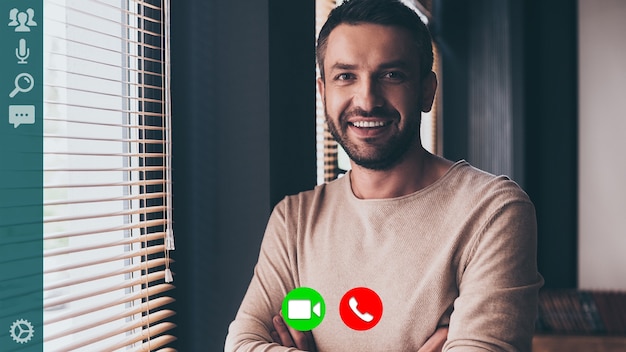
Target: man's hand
<point>289,337</point>
<point>436,341</point>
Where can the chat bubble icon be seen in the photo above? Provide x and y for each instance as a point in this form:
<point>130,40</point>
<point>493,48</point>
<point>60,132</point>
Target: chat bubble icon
<point>21,115</point>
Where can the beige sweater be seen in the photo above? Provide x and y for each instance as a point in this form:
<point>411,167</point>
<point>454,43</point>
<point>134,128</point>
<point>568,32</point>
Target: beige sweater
<point>460,252</point>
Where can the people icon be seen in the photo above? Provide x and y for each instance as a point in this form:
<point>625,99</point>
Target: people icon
<point>13,18</point>
<point>22,21</point>
<point>31,18</point>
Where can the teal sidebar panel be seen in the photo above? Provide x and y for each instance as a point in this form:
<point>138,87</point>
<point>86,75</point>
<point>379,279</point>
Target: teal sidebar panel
<point>21,175</point>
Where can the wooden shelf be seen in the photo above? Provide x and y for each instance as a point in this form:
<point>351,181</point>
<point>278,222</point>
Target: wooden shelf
<point>574,343</point>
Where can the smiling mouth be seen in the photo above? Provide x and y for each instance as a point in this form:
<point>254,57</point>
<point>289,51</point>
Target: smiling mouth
<point>370,124</point>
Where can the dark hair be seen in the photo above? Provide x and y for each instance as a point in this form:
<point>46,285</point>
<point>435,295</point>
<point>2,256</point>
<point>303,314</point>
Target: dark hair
<point>382,12</point>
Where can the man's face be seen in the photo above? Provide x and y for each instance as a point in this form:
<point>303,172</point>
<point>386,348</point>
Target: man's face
<point>373,93</point>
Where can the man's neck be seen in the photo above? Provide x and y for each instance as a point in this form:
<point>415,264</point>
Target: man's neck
<point>417,170</point>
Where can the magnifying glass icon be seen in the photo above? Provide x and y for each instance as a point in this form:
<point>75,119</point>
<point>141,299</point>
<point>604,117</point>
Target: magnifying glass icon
<point>24,83</point>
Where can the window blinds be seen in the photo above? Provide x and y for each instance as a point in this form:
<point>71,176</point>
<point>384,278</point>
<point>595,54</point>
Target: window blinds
<point>107,196</point>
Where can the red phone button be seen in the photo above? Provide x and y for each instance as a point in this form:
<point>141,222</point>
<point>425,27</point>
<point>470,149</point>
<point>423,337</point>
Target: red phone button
<point>361,308</point>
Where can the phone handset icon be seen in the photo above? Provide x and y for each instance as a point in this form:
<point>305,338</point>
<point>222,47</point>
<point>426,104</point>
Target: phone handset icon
<point>371,308</point>
<point>366,317</point>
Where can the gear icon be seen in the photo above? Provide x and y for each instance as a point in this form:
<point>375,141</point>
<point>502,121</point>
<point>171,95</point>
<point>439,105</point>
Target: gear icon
<point>22,331</point>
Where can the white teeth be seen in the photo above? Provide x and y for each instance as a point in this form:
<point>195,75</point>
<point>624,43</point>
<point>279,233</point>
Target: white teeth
<point>368,124</point>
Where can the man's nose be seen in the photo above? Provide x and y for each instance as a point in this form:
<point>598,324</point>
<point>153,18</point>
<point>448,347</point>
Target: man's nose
<point>368,95</point>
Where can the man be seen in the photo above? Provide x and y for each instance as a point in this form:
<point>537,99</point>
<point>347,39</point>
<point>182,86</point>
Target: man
<point>449,249</point>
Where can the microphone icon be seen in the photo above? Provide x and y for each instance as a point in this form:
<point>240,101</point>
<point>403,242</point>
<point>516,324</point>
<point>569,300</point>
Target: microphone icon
<point>22,52</point>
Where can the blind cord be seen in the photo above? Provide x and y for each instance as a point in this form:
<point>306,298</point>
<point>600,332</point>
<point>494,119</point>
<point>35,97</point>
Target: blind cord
<point>169,231</point>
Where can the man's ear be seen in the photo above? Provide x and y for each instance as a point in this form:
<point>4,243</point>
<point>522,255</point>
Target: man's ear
<point>429,88</point>
<point>320,88</point>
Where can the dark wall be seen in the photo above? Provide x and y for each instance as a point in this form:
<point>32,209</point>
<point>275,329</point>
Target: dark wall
<point>551,90</point>
<point>449,30</point>
<point>540,86</point>
<point>243,105</point>
<point>292,97</point>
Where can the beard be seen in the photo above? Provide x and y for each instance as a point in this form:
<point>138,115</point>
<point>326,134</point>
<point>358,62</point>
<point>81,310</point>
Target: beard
<point>376,156</point>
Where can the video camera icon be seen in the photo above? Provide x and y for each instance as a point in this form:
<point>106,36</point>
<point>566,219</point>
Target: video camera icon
<point>303,308</point>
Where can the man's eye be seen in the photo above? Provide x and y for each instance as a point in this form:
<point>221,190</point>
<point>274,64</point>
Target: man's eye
<point>394,76</point>
<point>344,77</point>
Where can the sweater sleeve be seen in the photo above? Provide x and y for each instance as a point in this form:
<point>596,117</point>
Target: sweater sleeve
<point>498,285</point>
<point>273,278</point>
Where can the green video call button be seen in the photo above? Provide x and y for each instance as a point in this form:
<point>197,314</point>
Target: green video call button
<point>303,309</point>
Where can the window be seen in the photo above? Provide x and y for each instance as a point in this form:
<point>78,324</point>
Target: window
<point>107,199</point>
